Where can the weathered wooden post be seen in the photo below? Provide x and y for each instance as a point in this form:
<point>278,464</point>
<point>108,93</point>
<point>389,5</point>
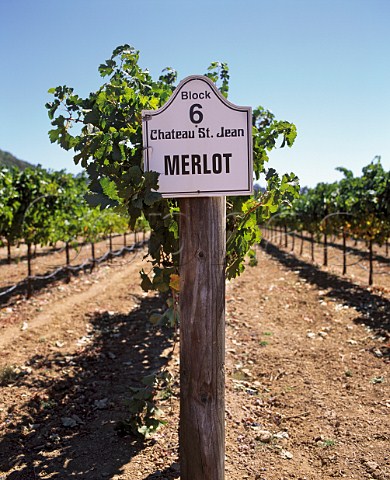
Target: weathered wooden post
<point>201,145</point>
<point>202,338</point>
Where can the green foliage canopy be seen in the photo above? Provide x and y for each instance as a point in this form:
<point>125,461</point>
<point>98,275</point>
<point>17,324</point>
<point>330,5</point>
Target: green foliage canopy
<point>355,206</point>
<point>41,207</point>
<point>108,144</point>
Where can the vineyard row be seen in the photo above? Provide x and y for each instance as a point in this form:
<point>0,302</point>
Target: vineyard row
<point>66,269</point>
<point>355,207</point>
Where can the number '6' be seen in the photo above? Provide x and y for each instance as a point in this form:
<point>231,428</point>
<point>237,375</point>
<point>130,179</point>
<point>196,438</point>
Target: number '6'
<point>196,116</point>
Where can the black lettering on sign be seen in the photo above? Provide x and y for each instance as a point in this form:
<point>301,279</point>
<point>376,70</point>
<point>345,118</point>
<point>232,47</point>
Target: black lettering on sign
<point>197,164</point>
<point>195,159</point>
<point>171,166</point>
<point>171,134</point>
<point>231,132</point>
<point>195,95</point>
<point>204,132</point>
<point>185,163</point>
<point>205,169</point>
<point>196,116</point>
<point>217,163</point>
<point>227,157</point>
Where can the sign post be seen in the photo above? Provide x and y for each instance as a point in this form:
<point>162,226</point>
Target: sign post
<point>202,338</point>
<point>201,145</point>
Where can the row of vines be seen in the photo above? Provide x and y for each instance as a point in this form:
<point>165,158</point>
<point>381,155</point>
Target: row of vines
<point>355,208</point>
<point>38,207</point>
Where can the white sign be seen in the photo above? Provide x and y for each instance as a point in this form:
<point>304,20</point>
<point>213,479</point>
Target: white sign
<point>200,143</point>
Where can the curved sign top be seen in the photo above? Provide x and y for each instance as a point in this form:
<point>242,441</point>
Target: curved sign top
<point>200,143</point>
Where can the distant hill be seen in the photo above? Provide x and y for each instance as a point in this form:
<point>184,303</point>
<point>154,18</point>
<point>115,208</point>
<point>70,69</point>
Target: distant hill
<point>8,160</point>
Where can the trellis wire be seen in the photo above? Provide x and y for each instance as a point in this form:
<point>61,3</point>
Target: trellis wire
<point>77,268</point>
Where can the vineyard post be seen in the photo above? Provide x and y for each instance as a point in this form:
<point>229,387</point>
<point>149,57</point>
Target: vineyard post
<point>110,244</point>
<point>302,240</point>
<point>325,262</point>
<point>29,271</point>
<point>344,253</point>
<point>9,252</point>
<point>93,255</point>
<point>293,241</point>
<point>202,338</point>
<point>285,236</point>
<point>371,260</point>
<point>312,246</point>
<point>67,255</point>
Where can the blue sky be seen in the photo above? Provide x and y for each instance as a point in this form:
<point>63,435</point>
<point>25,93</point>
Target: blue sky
<point>323,65</point>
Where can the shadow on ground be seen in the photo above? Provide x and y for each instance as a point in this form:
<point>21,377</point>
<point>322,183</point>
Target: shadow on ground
<point>373,308</point>
<point>170,472</point>
<point>66,428</point>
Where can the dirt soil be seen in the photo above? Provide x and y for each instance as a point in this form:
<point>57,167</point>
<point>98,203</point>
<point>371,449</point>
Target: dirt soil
<point>307,376</point>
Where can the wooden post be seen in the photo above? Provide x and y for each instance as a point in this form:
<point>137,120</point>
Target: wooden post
<point>285,236</point>
<point>8,252</point>
<point>93,255</point>
<point>371,260</point>
<point>325,262</point>
<point>67,253</point>
<point>29,271</point>
<point>312,246</point>
<point>302,240</point>
<point>110,248</point>
<point>202,338</point>
<point>344,253</point>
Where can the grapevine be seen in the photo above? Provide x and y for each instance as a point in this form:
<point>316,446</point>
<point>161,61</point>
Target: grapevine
<point>356,206</point>
<point>108,145</point>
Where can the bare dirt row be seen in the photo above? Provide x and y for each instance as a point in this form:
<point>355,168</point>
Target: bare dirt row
<point>48,259</point>
<point>307,377</point>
